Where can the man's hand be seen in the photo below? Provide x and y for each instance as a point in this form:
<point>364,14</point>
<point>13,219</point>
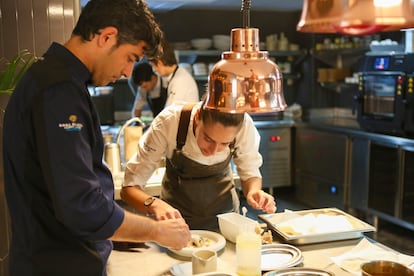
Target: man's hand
<point>172,233</point>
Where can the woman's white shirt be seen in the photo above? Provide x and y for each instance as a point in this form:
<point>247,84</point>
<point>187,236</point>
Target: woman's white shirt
<point>160,141</point>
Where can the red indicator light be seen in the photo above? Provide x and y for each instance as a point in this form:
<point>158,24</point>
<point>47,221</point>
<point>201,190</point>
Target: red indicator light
<point>274,138</point>
<point>400,80</point>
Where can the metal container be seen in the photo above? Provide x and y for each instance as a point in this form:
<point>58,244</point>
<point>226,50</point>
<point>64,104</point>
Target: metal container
<point>112,157</point>
<point>298,271</point>
<point>385,268</point>
<point>274,222</point>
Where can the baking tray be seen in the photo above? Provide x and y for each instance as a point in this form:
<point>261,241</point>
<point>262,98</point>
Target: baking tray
<point>275,220</point>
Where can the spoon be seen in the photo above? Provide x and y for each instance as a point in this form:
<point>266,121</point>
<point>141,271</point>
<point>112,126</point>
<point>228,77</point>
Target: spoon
<point>244,211</point>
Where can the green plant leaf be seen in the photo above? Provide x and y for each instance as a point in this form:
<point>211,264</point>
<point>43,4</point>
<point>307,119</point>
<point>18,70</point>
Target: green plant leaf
<point>14,70</point>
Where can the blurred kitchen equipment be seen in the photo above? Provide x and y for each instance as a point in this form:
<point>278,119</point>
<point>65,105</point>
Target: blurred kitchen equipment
<point>385,100</point>
<point>294,111</point>
<point>112,157</point>
<point>245,79</point>
<point>107,138</point>
<point>132,134</point>
<point>112,152</point>
<point>385,268</point>
<point>103,99</point>
<point>356,17</point>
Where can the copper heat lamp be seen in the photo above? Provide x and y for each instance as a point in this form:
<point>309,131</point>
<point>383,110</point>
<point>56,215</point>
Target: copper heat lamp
<point>356,17</point>
<point>245,80</point>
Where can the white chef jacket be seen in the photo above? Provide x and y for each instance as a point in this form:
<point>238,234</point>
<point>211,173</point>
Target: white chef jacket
<point>181,87</point>
<point>160,140</point>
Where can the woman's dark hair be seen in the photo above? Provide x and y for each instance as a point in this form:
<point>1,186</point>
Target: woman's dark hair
<point>142,72</point>
<point>208,116</point>
<point>133,19</point>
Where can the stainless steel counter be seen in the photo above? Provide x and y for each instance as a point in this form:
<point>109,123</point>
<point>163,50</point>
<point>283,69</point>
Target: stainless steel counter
<point>372,162</point>
<point>150,259</point>
<point>351,127</point>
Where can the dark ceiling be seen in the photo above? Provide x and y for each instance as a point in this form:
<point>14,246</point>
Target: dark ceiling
<point>166,5</point>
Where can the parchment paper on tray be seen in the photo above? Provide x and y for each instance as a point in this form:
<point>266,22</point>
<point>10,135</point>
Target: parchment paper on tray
<point>366,251</point>
<point>316,225</point>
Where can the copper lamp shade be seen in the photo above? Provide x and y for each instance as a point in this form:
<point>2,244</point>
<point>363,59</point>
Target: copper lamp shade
<point>245,80</point>
<point>356,17</point>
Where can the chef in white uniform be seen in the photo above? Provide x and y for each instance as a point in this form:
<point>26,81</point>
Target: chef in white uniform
<point>198,184</point>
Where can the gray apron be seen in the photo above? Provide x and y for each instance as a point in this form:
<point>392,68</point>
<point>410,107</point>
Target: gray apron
<point>198,191</point>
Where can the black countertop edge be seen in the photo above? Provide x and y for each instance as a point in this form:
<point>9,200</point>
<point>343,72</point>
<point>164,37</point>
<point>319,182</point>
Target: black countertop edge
<point>350,127</point>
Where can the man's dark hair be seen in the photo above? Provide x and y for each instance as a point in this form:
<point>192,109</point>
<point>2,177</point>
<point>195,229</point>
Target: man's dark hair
<point>133,19</point>
<point>168,56</point>
<point>142,72</point>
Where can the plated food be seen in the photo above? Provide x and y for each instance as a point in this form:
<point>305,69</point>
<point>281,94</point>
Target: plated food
<point>201,239</point>
<point>198,241</point>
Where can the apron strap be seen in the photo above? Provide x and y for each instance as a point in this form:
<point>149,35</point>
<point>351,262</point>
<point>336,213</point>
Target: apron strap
<point>183,125</point>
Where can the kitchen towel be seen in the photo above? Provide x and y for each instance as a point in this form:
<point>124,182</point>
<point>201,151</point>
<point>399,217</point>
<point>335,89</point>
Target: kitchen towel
<point>366,251</point>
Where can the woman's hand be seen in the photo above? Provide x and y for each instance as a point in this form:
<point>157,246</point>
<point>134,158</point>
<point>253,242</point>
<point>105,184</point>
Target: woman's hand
<point>261,200</point>
<point>163,211</point>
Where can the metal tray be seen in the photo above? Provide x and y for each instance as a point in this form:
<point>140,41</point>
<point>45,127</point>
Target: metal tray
<point>358,227</point>
<point>296,271</point>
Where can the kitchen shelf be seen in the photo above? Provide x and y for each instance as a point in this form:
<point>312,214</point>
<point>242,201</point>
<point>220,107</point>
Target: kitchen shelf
<point>219,52</point>
<point>290,76</point>
<point>192,55</point>
<point>339,86</point>
<point>212,55</point>
<point>339,58</point>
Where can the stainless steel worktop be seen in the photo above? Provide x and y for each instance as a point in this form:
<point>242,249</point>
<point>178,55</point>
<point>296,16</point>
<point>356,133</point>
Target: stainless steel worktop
<point>349,126</point>
<point>151,259</point>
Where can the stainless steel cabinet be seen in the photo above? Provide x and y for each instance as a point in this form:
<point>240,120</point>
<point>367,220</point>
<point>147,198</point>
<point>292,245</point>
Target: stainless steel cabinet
<point>321,167</point>
<point>382,179</point>
<point>275,148</point>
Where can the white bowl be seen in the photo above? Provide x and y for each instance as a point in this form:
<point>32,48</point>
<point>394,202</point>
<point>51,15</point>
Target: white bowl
<point>232,224</point>
<point>221,42</point>
<point>201,43</point>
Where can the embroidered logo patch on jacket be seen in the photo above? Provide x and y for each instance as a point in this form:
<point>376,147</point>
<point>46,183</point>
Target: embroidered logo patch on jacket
<point>72,125</point>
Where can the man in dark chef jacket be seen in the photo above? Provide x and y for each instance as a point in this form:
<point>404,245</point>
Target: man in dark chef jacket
<point>59,193</point>
<point>198,183</point>
<point>150,89</point>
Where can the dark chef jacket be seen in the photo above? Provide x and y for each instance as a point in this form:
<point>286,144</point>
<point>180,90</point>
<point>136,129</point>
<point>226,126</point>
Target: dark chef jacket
<point>59,193</point>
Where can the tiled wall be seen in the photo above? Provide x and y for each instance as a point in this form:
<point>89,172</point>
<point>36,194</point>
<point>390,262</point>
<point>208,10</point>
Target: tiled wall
<point>33,25</point>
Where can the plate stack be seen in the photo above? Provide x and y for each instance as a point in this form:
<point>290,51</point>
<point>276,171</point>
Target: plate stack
<point>278,256</point>
<point>200,69</point>
<point>201,43</point>
<point>221,42</point>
